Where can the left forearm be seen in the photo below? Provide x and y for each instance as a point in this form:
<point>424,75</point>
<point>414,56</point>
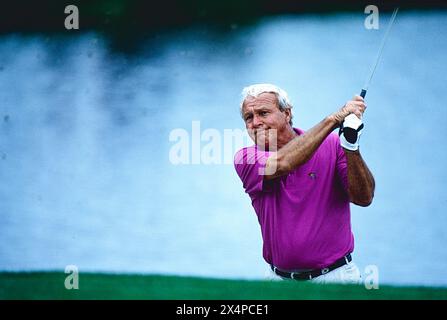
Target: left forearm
<point>361,182</point>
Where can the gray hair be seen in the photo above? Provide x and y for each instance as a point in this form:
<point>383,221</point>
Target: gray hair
<point>256,89</point>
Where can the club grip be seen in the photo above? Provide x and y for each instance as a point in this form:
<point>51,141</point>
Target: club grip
<point>363,93</point>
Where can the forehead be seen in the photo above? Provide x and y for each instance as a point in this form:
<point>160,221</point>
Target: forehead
<point>265,99</point>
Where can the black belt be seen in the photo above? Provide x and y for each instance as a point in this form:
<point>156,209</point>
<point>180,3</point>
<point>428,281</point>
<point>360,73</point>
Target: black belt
<point>309,275</point>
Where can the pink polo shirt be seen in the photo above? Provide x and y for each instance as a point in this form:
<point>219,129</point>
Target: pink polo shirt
<point>305,215</point>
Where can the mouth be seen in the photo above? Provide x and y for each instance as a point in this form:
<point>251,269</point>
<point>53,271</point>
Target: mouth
<point>261,131</point>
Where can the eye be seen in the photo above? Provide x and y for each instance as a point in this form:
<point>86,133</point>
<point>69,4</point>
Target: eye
<point>248,117</point>
<point>263,113</point>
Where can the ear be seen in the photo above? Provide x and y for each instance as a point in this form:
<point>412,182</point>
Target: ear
<point>288,114</point>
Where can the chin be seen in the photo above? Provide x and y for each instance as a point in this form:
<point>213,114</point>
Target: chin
<point>263,146</point>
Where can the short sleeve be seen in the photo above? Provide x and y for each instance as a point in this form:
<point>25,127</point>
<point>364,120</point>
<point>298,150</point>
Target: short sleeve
<point>342,164</point>
<point>250,166</point>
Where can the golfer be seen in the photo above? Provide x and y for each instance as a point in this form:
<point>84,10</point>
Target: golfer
<point>301,184</point>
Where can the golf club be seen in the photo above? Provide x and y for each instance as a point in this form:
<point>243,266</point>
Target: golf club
<point>379,54</point>
<point>350,133</point>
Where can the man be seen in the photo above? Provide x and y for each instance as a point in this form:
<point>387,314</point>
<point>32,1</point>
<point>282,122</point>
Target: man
<point>301,185</point>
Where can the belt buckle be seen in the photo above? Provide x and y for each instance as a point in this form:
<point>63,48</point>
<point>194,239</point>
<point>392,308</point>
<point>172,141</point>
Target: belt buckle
<point>325,270</point>
<point>291,275</point>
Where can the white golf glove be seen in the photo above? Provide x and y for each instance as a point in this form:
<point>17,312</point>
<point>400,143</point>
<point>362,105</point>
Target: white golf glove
<point>350,131</point>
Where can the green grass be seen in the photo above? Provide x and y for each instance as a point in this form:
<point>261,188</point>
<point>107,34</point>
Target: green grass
<point>50,285</point>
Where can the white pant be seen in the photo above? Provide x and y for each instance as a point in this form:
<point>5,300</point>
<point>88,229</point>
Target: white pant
<point>347,274</point>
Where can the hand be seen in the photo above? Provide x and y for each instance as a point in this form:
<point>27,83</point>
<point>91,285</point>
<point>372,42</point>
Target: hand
<point>350,131</point>
<point>355,106</point>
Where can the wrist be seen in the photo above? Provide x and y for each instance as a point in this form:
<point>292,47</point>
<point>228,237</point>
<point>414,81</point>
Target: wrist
<point>332,121</point>
<point>353,152</point>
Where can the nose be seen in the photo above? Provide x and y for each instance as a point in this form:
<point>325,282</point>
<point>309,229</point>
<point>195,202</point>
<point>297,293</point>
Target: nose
<point>256,121</point>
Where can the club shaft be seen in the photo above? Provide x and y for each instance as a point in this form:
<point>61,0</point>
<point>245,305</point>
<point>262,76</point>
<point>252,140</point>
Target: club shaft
<point>379,54</point>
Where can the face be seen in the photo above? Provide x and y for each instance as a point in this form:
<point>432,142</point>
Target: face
<point>262,117</point>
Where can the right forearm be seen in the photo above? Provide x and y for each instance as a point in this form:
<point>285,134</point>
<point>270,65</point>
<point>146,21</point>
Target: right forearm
<point>300,149</point>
